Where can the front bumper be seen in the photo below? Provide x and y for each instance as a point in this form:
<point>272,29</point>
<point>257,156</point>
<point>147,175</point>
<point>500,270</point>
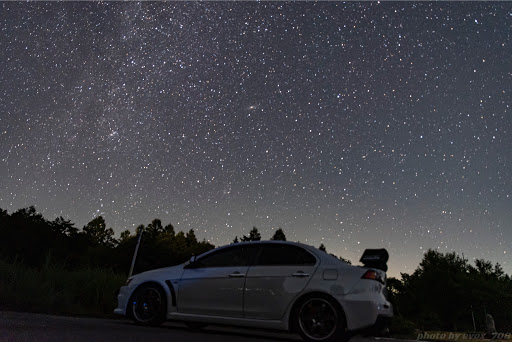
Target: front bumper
<point>122,300</point>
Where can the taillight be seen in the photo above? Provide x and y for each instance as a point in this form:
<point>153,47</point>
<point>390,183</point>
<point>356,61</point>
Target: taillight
<point>373,275</point>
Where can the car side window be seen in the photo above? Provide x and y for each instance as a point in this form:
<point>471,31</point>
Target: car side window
<point>230,256</point>
<point>276,254</point>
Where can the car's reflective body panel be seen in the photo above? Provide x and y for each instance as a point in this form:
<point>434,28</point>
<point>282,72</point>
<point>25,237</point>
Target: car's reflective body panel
<point>263,294</point>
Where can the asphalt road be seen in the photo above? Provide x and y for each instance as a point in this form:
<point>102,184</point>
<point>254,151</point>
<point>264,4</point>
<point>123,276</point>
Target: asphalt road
<point>30,327</point>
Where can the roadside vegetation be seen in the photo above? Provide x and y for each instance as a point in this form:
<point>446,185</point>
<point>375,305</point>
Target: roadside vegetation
<point>447,293</point>
<point>51,288</point>
<point>54,267</point>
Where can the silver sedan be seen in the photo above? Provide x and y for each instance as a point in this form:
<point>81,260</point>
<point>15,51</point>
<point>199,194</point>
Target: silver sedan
<point>266,284</point>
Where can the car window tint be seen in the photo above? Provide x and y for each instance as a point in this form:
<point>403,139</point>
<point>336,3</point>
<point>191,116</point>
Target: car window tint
<point>231,256</point>
<point>274,254</point>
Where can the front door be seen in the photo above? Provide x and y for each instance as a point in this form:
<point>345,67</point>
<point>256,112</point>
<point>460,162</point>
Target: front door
<point>214,284</point>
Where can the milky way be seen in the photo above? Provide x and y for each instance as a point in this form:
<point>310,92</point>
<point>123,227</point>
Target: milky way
<point>355,125</point>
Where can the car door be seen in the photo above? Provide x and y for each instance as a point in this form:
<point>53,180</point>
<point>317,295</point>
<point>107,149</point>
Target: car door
<point>214,284</point>
<point>279,274</point>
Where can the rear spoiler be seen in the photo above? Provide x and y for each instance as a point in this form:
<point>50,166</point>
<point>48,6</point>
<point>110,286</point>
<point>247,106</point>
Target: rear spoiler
<point>375,258</point>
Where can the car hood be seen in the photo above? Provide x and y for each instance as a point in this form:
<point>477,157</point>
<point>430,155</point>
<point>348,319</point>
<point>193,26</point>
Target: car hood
<point>165,273</point>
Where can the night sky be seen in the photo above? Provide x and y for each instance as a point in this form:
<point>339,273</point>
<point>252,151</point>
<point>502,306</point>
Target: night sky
<point>356,125</point>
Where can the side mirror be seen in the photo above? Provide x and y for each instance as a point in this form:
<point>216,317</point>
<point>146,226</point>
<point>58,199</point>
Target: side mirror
<point>191,262</point>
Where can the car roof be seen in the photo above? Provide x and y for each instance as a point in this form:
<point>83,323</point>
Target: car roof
<point>277,242</point>
<point>318,253</point>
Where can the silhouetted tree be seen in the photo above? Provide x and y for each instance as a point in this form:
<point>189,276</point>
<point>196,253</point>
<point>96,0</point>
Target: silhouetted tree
<point>140,228</point>
<point>29,214</point>
<point>191,238</point>
<point>169,229</point>
<point>154,229</point>
<point>445,289</point>
<point>254,235</point>
<point>322,247</point>
<point>279,235</point>
<point>63,226</point>
<point>97,232</point>
<point>345,260</point>
<point>3,214</point>
<point>236,240</point>
<point>27,236</point>
<point>124,236</point>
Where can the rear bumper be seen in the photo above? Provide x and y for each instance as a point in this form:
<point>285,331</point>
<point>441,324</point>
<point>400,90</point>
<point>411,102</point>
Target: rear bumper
<point>366,314</point>
<point>380,328</point>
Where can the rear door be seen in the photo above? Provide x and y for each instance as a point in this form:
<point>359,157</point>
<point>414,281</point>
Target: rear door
<point>279,274</point>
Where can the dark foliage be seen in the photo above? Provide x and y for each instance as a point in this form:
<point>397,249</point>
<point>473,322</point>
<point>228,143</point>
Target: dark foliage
<point>29,238</point>
<point>446,292</point>
<point>279,235</point>
<point>254,235</point>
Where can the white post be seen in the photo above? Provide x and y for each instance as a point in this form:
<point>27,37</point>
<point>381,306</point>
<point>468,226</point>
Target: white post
<point>135,253</point>
<point>473,317</point>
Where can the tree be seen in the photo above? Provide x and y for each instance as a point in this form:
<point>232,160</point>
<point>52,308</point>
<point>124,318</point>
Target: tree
<point>169,229</point>
<point>322,248</point>
<point>125,236</point>
<point>180,242</point>
<point>29,214</point>
<point>254,235</point>
<point>140,228</point>
<point>97,232</point>
<point>62,226</point>
<point>446,292</point>
<point>236,240</point>
<point>155,228</point>
<point>279,235</point>
<point>345,260</point>
<point>191,238</point>
<point>3,214</point>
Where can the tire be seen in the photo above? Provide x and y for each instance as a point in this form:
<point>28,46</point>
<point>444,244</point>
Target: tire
<point>318,318</point>
<point>148,305</point>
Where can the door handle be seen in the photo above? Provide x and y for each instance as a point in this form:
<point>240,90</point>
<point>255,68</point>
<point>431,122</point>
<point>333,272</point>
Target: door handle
<point>237,275</point>
<point>300,274</point>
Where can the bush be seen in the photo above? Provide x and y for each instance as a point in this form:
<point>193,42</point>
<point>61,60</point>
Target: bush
<point>52,289</point>
<point>402,327</point>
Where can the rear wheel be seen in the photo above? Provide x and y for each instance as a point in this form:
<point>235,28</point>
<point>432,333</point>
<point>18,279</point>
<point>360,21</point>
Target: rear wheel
<point>318,318</point>
<point>148,305</point>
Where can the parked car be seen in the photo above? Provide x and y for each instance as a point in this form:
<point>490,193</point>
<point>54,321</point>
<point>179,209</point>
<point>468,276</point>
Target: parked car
<point>265,284</point>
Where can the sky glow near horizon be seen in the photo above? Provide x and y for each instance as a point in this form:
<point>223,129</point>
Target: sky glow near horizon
<point>355,125</point>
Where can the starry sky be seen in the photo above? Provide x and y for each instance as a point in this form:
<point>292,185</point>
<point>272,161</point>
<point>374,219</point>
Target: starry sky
<point>357,125</point>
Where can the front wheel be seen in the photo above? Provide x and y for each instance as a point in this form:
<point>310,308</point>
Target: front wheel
<point>319,319</point>
<point>147,305</point>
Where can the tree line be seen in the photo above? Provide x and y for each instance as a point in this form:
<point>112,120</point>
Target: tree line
<point>28,237</point>
<point>445,292</point>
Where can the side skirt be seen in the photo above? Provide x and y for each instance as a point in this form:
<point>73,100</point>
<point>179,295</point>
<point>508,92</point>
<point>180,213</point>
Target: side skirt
<point>243,322</point>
